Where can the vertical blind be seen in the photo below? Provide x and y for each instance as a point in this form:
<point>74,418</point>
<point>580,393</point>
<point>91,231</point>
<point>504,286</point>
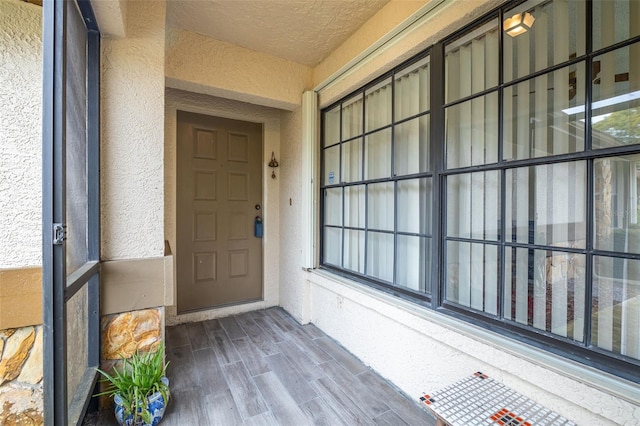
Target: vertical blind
<point>374,208</point>
<point>537,172</point>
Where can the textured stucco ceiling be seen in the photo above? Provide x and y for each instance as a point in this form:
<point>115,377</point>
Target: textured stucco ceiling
<point>303,31</point>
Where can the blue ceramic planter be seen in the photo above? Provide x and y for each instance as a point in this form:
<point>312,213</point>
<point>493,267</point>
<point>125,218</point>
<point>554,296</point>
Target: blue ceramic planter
<point>156,406</point>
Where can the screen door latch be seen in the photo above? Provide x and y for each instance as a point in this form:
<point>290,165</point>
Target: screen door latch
<point>59,233</point>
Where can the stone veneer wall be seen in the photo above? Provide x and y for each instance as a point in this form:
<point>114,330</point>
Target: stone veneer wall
<point>21,360</point>
<point>21,398</point>
<point>125,333</point>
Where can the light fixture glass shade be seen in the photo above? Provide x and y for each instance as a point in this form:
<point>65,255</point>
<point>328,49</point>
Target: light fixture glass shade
<point>518,24</point>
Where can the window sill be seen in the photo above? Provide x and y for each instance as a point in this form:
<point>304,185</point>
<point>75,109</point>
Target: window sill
<point>610,384</point>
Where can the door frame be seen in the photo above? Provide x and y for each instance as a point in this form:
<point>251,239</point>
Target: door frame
<point>176,100</point>
<point>58,287</point>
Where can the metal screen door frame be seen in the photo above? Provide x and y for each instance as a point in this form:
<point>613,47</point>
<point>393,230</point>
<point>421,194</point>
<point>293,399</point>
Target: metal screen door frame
<point>60,408</point>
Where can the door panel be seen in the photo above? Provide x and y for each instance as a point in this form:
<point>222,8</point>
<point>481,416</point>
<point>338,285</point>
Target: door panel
<point>219,260</point>
<point>70,209</point>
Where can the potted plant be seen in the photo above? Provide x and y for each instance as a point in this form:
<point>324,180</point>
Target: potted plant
<point>140,389</point>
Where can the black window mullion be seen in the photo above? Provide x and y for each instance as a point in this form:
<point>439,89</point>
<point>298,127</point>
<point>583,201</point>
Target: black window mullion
<point>395,232</point>
<point>366,225</point>
<point>502,237</point>
<point>340,181</point>
<point>588,294</point>
<point>393,132</point>
<point>500,91</point>
<point>588,79</point>
<point>437,147</point>
<point>363,137</point>
<point>394,278</point>
<point>323,190</point>
<point>343,226</point>
<point>366,192</point>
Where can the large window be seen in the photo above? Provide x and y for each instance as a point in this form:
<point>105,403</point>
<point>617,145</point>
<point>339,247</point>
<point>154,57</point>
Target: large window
<point>377,182</point>
<point>497,177</point>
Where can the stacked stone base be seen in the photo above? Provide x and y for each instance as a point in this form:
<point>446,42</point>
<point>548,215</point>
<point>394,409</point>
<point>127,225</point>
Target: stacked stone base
<point>21,360</point>
<point>21,399</point>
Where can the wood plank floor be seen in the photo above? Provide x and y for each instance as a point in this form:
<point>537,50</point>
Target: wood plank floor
<point>263,368</point>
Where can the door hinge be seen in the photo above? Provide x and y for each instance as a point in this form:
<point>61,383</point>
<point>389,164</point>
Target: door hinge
<point>59,233</point>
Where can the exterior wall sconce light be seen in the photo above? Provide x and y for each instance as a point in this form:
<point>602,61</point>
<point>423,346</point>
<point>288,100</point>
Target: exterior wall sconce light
<point>273,164</point>
<point>518,24</point>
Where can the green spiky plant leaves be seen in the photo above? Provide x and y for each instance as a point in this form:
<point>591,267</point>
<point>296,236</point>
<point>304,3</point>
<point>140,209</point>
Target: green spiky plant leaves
<point>138,379</point>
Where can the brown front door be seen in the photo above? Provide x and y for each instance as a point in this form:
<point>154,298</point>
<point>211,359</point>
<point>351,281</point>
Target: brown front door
<point>219,196</point>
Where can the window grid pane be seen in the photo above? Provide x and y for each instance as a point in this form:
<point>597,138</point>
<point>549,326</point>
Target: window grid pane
<point>412,90</point>
<point>331,127</point>
<point>332,245</point>
<point>617,204</point>
<point>413,263</point>
<point>378,154</point>
<point>352,118</point>
<point>471,64</point>
<point>616,98</point>
<point>354,206</point>
<point>559,238</point>
<point>616,305</point>
<point>472,276</point>
<point>473,205</point>
<point>414,205</point>
<point>558,27</point>
<point>411,146</point>
<point>380,256</point>
<point>352,160</point>
<point>615,21</point>
<point>545,115</point>
<point>333,206</point>
<point>546,205</point>
<point>378,106</point>
<point>472,132</point>
<point>354,250</point>
<point>546,290</point>
<point>380,210</point>
<point>331,165</point>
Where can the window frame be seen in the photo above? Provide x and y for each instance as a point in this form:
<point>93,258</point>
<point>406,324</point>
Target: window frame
<point>403,292</point>
<point>583,352</point>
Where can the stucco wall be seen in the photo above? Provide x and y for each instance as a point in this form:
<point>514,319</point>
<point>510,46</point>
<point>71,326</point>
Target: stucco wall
<point>132,154</point>
<point>20,134</point>
<point>385,20</point>
<point>111,17</point>
<point>441,21</point>
<point>293,291</point>
<point>270,118</point>
<point>201,64</point>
